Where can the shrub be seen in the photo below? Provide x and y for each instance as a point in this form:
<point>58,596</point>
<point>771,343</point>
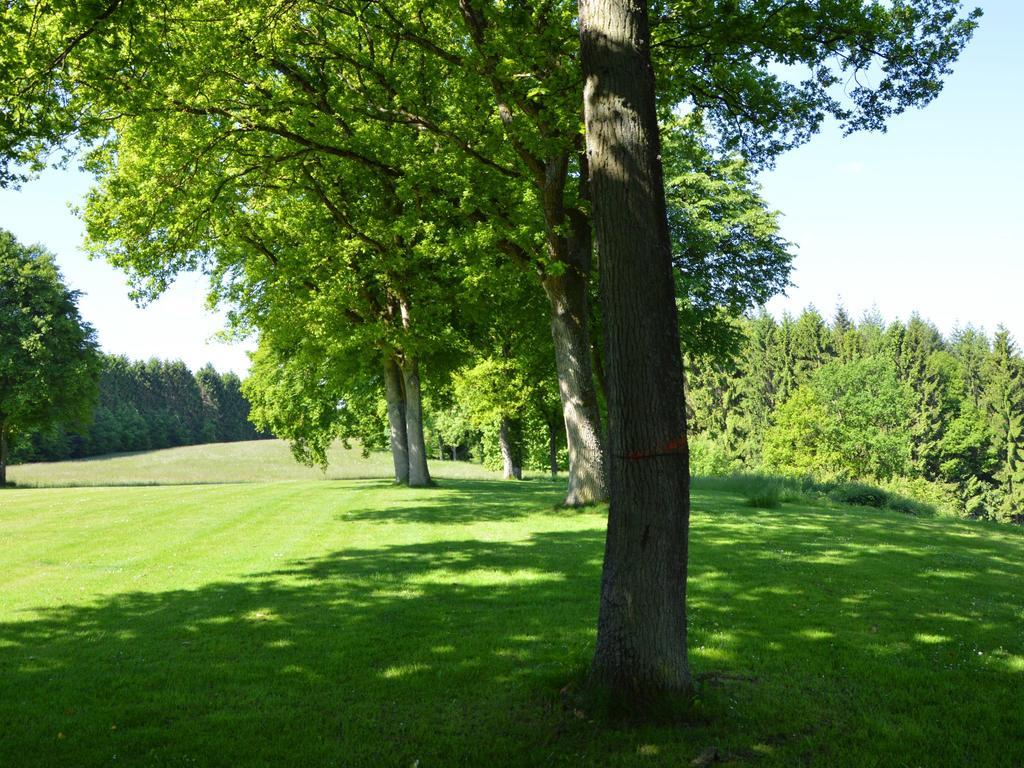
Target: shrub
<point>909,506</point>
<point>764,491</point>
<point>864,495</point>
<point>859,494</point>
<point>766,496</point>
<point>710,457</point>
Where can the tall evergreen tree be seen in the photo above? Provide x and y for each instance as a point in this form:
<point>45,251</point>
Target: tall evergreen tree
<point>971,347</point>
<point>1003,399</point>
<point>812,344</point>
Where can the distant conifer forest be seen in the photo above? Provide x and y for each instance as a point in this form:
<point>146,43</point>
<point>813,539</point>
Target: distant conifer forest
<point>148,405</point>
<point>897,403</point>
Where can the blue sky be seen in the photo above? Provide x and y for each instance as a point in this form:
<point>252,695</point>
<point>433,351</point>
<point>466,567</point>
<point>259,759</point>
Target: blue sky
<point>925,217</point>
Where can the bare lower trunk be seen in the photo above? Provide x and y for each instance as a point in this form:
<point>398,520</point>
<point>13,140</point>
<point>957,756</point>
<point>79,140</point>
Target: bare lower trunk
<point>394,394</point>
<point>640,656</point>
<point>511,463</point>
<point>419,475</point>
<point>553,447</point>
<point>567,295</point>
<point>4,453</point>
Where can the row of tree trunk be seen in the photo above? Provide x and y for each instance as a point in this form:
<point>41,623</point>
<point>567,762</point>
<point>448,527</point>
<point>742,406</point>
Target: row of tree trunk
<point>568,296</point>
<point>404,398</point>
<point>641,642</point>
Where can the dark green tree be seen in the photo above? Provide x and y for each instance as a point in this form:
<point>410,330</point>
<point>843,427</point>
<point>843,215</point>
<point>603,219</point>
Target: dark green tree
<point>49,361</point>
<point>812,344</point>
<point>1003,399</point>
<point>971,347</point>
<point>726,248</point>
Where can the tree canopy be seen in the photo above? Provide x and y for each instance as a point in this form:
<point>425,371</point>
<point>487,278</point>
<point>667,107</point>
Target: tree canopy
<point>49,361</point>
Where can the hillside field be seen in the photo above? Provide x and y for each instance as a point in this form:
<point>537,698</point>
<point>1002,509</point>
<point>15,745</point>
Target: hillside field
<point>251,461</point>
<point>347,622</point>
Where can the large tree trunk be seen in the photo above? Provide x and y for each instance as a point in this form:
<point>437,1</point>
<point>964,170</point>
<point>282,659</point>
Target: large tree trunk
<point>567,295</point>
<point>394,394</point>
<point>419,475</point>
<point>640,656</point>
<point>512,468</point>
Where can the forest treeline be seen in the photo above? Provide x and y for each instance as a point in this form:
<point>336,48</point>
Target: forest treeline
<point>146,405</point>
<point>899,403</point>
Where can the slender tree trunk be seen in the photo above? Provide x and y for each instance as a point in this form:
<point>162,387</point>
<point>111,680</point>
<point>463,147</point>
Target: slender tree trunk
<point>419,475</point>
<point>553,446</point>
<point>599,373</point>
<point>567,295</point>
<point>510,451</point>
<point>640,656</point>
<point>4,453</point>
<point>394,394</point>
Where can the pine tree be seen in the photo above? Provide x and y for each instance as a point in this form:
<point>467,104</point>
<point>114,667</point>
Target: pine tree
<point>971,347</point>
<point>812,344</point>
<point>758,384</point>
<point>936,408</point>
<point>871,333</point>
<point>918,341</point>
<point>1003,399</point>
<point>844,336</point>
<point>783,359</point>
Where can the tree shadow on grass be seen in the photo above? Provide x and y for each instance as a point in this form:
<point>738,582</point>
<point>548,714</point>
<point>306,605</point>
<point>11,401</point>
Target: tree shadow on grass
<point>835,640</point>
<point>464,501</point>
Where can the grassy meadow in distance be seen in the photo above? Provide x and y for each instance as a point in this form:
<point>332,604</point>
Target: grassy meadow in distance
<point>326,622</point>
<point>244,462</point>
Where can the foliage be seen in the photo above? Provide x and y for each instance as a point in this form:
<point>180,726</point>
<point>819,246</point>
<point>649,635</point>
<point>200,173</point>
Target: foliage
<point>864,495</point>
<point>859,494</point>
<point>223,139</point>
<point>767,496</point>
<point>849,420</point>
<point>709,457</point>
<point>727,252</point>
<point>493,389</point>
<point>769,408</point>
<point>307,400</point>
<point>48,355</point>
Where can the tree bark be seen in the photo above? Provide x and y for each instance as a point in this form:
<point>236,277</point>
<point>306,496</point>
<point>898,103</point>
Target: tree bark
<point>419,475</point>
<point>510,459</point>
<point>640,657</point>
<point>567,295</point>
<point>394,394</point>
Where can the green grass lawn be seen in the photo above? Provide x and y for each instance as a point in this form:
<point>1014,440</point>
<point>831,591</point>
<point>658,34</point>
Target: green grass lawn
<point>351,623</point>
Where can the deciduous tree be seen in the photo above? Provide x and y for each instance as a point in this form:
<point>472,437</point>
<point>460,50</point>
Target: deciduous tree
<point>48,356</point>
